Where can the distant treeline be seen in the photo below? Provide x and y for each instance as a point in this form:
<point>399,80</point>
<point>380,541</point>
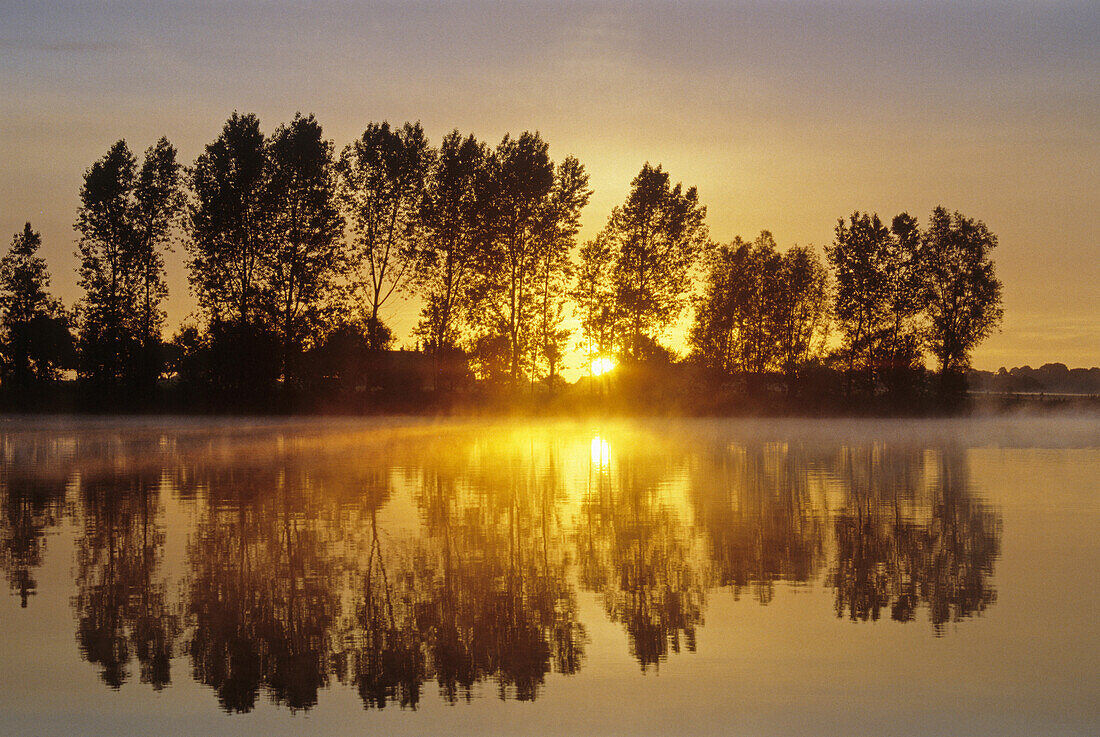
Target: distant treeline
<point>294,249</point>
<point>1050,378</point>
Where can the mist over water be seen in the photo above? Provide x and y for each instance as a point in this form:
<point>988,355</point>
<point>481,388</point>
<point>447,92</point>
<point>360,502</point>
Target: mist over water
<point>549,577</point>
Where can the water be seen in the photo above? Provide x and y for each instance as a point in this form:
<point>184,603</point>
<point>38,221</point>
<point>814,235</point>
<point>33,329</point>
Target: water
<point>656,577</point>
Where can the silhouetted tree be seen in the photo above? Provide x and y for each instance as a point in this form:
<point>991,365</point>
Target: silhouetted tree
<point>760,310</point>
<point>35,343</point>
<point>905,301</point>
<point>451,246</point>
<point>383,176</point>
<point>737,318</point>
<point>802,316</point>
<point>307,250</point>
<point>229,222</point>
<point>568,198</point>
<point>229,248</point>
<point>124,222</point>
<point>963,292</point>
<point>878,296</point>
<point>857,260</point>
<point>158,200</point>
<point>593,298</point>
<point>656,236</point>
<point>524,214</point>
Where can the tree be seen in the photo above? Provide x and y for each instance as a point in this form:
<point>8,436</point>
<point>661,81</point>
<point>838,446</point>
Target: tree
<point>656,236</point>
<point>124,222</point>
<point>530,212</point>
<point>106,342</point>
<point>451,244</point>
<point>761,310</point>
<point>737,318</point>
<point>593,298</point>
<point>230,248</point>
<point>570,195</point>
<point>34,328</point>
<point>963,292</point>
<point>802,311</point>
<point>229,222</point>
<point>879,296</point>
<point>383,179</point>
<point>757,304</point>
<point>518,188</point>
<point>158,201</point>
<point>306,228</point>
<point>857,256</point>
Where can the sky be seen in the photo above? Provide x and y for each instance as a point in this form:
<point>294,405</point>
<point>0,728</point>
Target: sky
<point>785,115</point>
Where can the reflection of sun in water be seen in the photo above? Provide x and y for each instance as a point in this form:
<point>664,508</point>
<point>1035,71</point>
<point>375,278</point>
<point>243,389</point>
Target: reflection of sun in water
<point>602,365</point>
<point>601,454</point>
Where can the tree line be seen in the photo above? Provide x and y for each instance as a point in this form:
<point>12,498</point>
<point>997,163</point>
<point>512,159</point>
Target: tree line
<point>294,250</point>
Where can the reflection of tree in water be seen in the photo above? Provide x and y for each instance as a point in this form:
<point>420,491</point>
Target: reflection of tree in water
<point>261,595</point>
<point>32,497</point>
<point>381,650</point>
<point>121,603</point>
<point>911,535</point>
<point>500,597</point>
<point>639,554</point>
<point>30,508</point>
<point>484,593</point>
<point>293,578</point>
<point>761,523</point>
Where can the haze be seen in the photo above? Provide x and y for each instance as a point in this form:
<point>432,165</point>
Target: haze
<point>786,116</point>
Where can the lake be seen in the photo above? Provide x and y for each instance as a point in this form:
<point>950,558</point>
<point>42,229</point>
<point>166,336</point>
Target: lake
<point>545,577</point>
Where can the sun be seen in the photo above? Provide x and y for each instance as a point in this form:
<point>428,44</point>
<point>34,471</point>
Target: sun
<point>602,365</point>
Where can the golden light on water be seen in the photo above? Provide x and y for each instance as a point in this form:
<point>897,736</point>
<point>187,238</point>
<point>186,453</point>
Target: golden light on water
<point>601,454</point>
<point>602,365</point>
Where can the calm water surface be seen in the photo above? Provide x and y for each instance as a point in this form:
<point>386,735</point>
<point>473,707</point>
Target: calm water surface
<point>599,577</point>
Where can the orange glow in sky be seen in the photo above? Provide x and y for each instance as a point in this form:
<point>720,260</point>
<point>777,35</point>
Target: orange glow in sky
<point>786,116</point>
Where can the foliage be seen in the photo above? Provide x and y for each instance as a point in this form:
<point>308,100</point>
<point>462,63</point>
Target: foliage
<point>593,296</point>
<point>802,319</point>
<point>383,178</point>
<point>451,247</point>
<point>124,222</point>
<point>35,342</point>
<point>282,239</point>
<point>902,290</point>
<point>760,310</point>
<point>655,236</point>
<point>879,296</point>
<point>529,222</point>
<point>230,222</point>
<point>569,197</point>
<point>307,254</point>
<point>963,292</point>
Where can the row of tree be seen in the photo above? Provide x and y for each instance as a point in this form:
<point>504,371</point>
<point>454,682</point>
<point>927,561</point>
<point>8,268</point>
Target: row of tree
<point>895,293</point>
<point>294,250</point>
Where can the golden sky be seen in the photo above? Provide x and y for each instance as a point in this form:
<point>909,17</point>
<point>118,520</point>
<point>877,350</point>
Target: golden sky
<point>786,115</point>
